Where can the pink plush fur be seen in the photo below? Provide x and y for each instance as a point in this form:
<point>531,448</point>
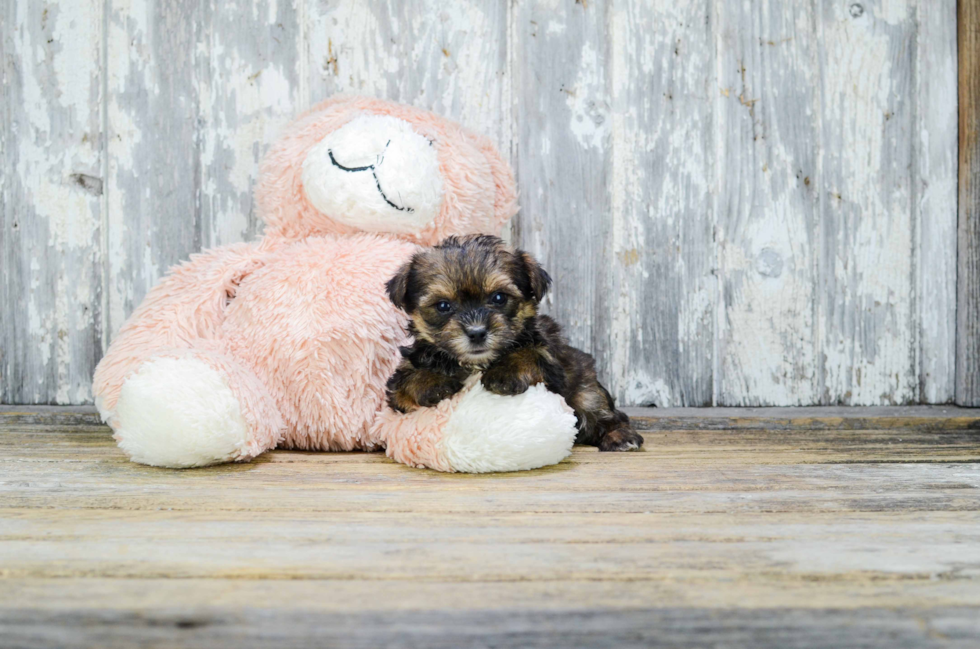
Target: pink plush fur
<point>298,324</point>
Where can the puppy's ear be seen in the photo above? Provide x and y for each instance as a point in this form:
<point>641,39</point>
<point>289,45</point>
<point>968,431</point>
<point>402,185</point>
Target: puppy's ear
<point>399,287</point>
<point>537,279</point>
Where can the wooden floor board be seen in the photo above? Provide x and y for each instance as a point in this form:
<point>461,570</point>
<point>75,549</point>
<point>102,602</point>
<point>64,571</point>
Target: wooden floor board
<point>758,528</point>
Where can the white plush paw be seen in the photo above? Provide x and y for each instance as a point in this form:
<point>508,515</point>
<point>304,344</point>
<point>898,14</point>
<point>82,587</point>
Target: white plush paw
<point>179,412</point>
<point>488,432</point>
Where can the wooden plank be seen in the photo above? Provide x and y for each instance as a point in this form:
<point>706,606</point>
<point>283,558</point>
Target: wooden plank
<point>562,160</point>
<point>278,557</point>
<point>748,446</point>
<point>783,442</point>
<point>157,597</point>
<point>868,339</point>
<point>968,264</point>
<point>449,57</point>
<point>699,471</point>
<point>514,547</point>
<point>809,418</point>
<point>49,415</point>
<point>654,318</point>
<point>737,446</point>
<point>934,141</point>
<point>52,200</point>
<point>768,105</point>
<point>644,626</point>
<point>154,70</point>
<point>350,528</point>
<point>250,85</point>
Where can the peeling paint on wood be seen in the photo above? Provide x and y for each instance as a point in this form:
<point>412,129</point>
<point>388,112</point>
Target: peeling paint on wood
<point>562,159</point>
<point>746,203</point>
<point>768,131</point>
<point>51,284</point>
<point>865,327</point>
<point>661,197</point>
<point>249,88</point>
<point>153,188</point>
<point>934,178</point>
<point>450,57</point>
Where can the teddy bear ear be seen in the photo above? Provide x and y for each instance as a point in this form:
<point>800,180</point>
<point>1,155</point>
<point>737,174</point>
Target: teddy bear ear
<point>399,287</point>
<point>537,278</point>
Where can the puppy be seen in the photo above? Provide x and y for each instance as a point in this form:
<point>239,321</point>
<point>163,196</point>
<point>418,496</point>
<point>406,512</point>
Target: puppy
<point>473,307</point>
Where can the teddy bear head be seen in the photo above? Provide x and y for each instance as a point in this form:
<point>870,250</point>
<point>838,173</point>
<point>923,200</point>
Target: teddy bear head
<point>356,164</point>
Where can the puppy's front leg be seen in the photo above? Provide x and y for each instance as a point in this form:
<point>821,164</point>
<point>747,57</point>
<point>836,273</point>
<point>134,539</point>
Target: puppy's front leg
<point>518,370</point>
<point>412,387</point>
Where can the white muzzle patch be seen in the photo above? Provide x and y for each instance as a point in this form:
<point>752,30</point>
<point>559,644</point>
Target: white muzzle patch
<point>376,174</point>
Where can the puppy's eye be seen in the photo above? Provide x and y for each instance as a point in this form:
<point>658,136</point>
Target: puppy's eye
<point>498,299</point>
<point>442,306</point>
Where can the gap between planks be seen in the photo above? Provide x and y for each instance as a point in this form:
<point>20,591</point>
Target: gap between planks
<point>646,419</point>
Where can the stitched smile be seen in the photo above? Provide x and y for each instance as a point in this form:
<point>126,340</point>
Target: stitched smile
<point>374,174</point>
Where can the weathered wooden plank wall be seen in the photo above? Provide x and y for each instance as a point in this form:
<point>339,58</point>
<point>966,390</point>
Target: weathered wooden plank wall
<point>742,203</point>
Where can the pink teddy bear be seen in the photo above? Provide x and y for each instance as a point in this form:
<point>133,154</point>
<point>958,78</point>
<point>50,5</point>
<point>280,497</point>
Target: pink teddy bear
<point>288,342</point>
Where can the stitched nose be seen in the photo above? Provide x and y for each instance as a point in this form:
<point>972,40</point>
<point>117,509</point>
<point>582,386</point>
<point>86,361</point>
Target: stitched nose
<point>477,334</point>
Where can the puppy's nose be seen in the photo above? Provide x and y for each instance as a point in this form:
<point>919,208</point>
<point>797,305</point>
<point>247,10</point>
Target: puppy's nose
<point>477,334</point>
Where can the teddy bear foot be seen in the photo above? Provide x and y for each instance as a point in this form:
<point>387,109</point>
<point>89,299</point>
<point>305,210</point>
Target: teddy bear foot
<point>180,412</point>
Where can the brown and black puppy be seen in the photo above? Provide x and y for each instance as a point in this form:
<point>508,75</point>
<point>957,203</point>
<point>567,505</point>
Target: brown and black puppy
<point>473,307</point>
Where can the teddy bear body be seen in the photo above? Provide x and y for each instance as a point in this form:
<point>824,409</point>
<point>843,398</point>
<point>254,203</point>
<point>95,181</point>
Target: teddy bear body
<point>321,334</point>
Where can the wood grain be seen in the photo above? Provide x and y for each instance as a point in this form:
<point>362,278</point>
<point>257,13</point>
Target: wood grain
<point>667,628</point>
<point>659,287</point>
<point>866,262</point>
<point>450,57</point>
<point>968,264</point>
<point>515,548</point>
<point>769,537</point>
<point>153,184</point>
<point>562,159</point>
<point>250,85</point>
<point>52,206</point>
<point>768,108</point>
<point>196,92</point>
<point>934,174</point>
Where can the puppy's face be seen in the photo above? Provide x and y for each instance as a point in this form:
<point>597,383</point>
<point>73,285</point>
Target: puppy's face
<point>470,296</point>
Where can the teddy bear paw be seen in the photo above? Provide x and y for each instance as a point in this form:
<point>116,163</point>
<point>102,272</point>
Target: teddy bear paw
<point>490,432</point>
<point>179,412</point>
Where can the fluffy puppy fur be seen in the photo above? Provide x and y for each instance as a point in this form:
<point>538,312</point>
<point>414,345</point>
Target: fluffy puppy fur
<point>473,307</point>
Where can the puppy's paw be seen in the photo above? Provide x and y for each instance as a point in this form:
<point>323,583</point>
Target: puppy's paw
<point>433,394</point>
<point>501,381</point>
<point>621,439</point>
